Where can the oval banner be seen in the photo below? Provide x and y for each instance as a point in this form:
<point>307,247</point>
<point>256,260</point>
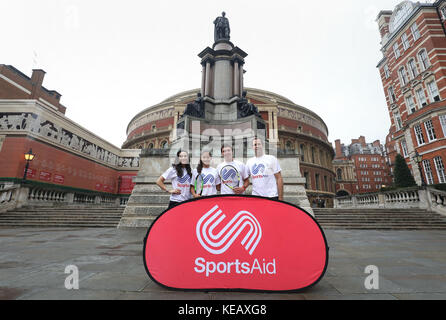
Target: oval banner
<point>235,243</point>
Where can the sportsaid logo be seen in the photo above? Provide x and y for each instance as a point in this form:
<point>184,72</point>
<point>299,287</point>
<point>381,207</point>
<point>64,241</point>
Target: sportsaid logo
<point>258,171</point>
<point>184,180</point>
<point>258,168</point>
<point>208,179</point>
<point>228,174</point>
<point>219,243</point>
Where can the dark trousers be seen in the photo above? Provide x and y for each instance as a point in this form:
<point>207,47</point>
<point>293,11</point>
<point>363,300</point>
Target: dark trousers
<point>275,198</point>
<point>173,204</point>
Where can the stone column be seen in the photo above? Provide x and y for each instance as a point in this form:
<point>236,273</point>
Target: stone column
<point>203,79</point>
<point>207,86</point>
<point>236,78</point>
<point>241,77</point>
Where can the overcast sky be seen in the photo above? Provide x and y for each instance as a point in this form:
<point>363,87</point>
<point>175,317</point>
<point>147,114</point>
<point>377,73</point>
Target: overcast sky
<point>111,59</point>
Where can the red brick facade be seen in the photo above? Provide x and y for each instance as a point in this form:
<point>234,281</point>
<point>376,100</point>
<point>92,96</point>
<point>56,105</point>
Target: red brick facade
<point>413,73</point>
<point>360,167</point>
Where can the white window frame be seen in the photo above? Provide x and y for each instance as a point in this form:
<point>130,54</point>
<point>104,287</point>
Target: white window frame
<point>429,126</point>
<point>404,148</point>
<point>419,135</point>
<point>412,66</point>
<point>386,71</point>
<point>405,41</point>
<point>428,171</point>
<point>396,50</point>
<point>415,32</point>
<point>410,104</point>
<point>423,59</point>
<point>391,93</point>
<point>443,123</point>
<point>433,91</point>
<point>398,121</point>
<point>421,98</point>
<point>439,166</point>
<point>403,76</point>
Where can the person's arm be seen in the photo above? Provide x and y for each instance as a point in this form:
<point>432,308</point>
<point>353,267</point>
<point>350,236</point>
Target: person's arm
<point>218,187</point>
<point>279,182</point>
<point>192,191</point>
<point>160,183</point>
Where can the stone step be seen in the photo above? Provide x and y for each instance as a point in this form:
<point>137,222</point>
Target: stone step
<point>383,227</point>
<point>106,219</point>
<point>365,210</point>
<point>69,210</point>
<point>61,214</point>
<point>64,225</point>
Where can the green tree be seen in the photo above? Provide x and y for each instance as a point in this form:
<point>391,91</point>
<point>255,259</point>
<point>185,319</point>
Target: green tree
<point>402,174</point>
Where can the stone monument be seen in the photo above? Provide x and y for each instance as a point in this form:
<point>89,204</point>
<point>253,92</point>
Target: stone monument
<point>220,114</point>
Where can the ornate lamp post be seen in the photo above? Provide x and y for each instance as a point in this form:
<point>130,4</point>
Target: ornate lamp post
<point>417,158</point>
<point>29,156</point>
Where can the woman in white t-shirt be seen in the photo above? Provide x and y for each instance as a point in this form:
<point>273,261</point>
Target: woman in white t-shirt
<point>211,179</point>
<point>180,174</point>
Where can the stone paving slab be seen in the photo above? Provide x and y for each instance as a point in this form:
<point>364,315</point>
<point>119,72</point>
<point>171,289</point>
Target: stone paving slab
<point>33,260</point>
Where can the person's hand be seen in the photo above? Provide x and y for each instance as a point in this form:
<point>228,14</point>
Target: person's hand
<point>197,196</point>
<point>175,191</point>
<point>239,190</point>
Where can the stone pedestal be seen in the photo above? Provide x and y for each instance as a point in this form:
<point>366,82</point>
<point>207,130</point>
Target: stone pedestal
<point>147,200</point>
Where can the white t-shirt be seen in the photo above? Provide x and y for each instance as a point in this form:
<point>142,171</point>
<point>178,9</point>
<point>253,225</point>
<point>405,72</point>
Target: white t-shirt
<point>182,184</point>
<point>210,178</point>
<point>262,170</point>
<point>241,168</point>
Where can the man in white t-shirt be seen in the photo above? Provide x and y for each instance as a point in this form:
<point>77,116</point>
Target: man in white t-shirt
<point>265,173</point>
<point>226,152</point>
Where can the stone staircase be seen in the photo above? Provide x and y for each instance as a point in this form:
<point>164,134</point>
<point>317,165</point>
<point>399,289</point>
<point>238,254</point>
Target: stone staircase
<point>63,216</point>
<point>380,219</point>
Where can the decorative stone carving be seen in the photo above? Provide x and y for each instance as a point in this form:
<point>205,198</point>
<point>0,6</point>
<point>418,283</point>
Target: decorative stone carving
<point>46,129</point>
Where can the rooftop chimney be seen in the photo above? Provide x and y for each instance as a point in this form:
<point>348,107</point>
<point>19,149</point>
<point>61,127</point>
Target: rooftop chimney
<point>36,81</point>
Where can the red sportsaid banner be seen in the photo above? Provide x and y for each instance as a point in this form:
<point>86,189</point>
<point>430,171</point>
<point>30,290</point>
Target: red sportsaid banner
<point>235,243</point>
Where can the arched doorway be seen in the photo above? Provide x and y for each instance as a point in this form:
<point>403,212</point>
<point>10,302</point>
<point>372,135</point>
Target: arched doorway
<point>342,193</point>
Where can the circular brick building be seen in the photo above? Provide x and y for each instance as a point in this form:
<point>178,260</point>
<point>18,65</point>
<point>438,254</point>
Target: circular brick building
<point>293,128</point>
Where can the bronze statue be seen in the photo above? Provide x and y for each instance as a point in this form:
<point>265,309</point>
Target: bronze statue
<point>196,108</point>
<point>222,30</point>
<point>245,108</point>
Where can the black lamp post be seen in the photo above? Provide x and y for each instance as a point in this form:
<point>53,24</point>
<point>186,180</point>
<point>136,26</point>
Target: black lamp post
<point>418,159</point>
<point>29,156</point>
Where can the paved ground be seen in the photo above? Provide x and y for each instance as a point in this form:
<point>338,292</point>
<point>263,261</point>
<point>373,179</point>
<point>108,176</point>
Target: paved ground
<point>411,265</point>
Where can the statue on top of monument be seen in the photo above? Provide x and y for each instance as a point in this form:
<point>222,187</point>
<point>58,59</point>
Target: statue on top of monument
<point>221,30</point>
<point>196,108</point>
<point>245,108</point>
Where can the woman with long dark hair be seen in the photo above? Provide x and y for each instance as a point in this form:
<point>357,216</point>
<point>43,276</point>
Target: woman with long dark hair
<point>205,179</point>
<point>180,175</point>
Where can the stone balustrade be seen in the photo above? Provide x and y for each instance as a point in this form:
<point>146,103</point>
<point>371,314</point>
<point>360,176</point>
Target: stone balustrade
<point>12,197</point>
<point>426,198</point>
<point>438,200</point>
<point>44,195</point>
<point>17,196</point>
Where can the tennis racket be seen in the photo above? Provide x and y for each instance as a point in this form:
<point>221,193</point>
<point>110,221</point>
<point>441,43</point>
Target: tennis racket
<point>199,184</point>
<point>230,176</point>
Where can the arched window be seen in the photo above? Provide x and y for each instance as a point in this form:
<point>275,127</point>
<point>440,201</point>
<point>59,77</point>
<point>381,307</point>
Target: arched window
<point>339,174</point>
<point>302,152</point>
<point>164,144</point>
<point>403,76</point>
<point>423,59</point>
<point>413,68</point>
<point>288,145</point>
<point>150,146</point>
